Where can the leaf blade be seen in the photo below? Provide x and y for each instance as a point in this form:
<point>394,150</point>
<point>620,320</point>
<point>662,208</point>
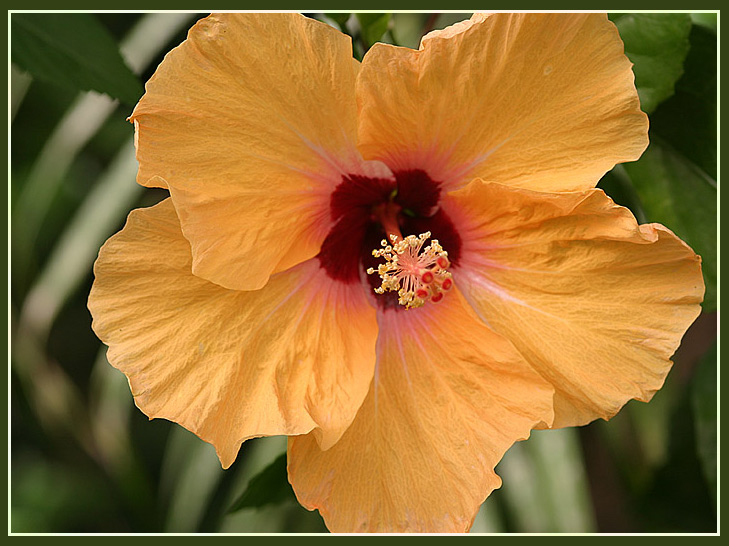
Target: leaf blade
<point>373,26</point>
<point>73,50</point>
<point>657,44</point>
<point>688,120</point>
<point>270,486</point>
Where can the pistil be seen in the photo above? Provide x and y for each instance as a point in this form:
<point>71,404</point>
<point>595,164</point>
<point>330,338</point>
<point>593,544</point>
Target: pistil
<point>386,214</point>
<point>417,274</point>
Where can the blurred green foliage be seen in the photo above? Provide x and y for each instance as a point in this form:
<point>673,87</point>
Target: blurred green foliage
<point>84,459</point>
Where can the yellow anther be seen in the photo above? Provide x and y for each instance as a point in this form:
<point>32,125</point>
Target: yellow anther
<point>417,274</point>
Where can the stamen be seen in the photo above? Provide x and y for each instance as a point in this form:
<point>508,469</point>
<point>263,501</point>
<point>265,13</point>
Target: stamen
<point>416,276</point>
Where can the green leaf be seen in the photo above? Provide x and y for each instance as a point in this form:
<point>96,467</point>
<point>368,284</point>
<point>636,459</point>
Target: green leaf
<point>688,119</point>
<point>73,50</point>
<point>703,398</point>
<point>705,19</point>
<point>678,194</point>
<point>270,486</point>
<point>657,44</point>
<point>373,26</point>
<point>339,18</point>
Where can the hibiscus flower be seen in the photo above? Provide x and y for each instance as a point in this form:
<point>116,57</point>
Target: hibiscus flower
<point>505,293</point>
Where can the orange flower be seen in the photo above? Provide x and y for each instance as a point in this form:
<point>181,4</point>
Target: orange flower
<point>242,305</point>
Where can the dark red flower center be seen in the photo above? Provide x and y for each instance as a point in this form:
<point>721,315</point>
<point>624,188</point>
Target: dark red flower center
<point>355,208</point>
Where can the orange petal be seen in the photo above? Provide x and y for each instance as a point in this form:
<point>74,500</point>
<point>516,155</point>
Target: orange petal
<point>251,122</point>
<point>595,302</point>
<point>448,399</point>
<point>537,100</point>
<point>295,356</point>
